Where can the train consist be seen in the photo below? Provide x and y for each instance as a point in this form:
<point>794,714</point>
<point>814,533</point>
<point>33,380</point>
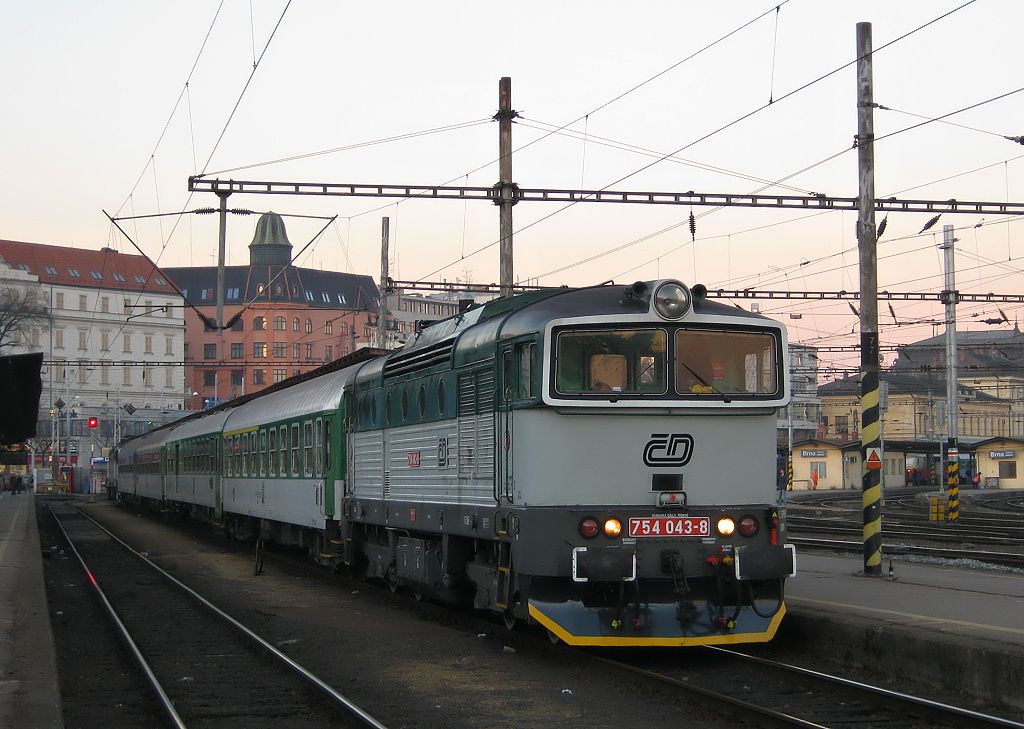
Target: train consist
<point>599,461</point>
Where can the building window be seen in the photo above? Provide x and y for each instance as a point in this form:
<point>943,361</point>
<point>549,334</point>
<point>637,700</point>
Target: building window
<point>127,376</point>
<point>328,353</point>
<point>259,377</point>
<point>104,375</point>
<point>236,378</point>
<point>1007,469</point>
<point>73,273</point>
<point>81,338</point>
<point>168,311</point>
<point>148,341</point>
<point>118,277</point>
<point>309,351</point>
<point>105,304</point>
<point>259,349</point>
<point>209,351</point>
<point>139,279</point>
<point>51,270</point>
<point>82,305</point>
<point>309,295</point>
<point>168,345</point>
<point>59,301</point>
<point>842,425</point>
<point>149,307</point>
<point>259,324</point>
<point>280,375</point>
<point>126,340</point>
<point>280,324</point>
<point>209,378</point>
<point>280,349</point>
<point>329,326</point>
<point>237,350</point>
<point>232,293</point>
<point>160,281</point>
<point>295,350</point>
<point>309,326</point>
<point>104,340</point>
<point>295,323</point>
<point>820,468</point>
<point>147,377</point>
<point>168,377</point>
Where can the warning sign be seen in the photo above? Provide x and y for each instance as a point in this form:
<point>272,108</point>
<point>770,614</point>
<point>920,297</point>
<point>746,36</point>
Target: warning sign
<point>874,461</point>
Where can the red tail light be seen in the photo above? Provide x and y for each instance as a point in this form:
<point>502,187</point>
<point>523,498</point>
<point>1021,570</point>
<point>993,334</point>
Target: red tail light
<point>748,526</point>
<point>589,527</point>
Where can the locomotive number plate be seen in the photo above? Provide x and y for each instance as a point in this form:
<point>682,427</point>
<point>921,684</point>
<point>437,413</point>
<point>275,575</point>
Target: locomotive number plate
<point>670,526</point>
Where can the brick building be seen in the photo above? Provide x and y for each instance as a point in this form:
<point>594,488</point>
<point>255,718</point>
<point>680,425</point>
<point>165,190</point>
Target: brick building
<point>286,320</point>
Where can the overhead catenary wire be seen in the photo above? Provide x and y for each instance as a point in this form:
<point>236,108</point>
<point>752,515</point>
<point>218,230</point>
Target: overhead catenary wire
<point>712,133</point>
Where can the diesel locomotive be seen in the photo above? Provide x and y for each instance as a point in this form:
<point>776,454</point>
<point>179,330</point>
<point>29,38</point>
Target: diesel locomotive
<point>599,461</point>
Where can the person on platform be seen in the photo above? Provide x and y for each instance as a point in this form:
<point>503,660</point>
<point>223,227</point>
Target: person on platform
<point>814,478</point>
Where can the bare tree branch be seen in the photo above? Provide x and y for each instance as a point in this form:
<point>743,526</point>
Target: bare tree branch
<point>21,309</point>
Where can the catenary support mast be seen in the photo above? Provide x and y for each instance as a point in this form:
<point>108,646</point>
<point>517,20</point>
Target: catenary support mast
<point>870,431</point>
<point>949,296</point>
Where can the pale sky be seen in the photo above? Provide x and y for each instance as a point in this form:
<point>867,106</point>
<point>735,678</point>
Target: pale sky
<point>90,86</point>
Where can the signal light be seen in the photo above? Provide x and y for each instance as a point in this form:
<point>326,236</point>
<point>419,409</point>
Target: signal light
<point>612,528</point>
<point>94,422</point>
<point>589,528</point>
<point>748,526</point>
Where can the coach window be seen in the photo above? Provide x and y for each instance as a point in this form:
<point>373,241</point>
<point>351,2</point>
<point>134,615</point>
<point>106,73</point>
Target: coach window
<point>238,456</point>
<point>295,449</point>
<point>245,454</point>
<point>226,460</point>
<point>507,376</point>
<point>263,453</point>
<point>272,453</point>
<point>307,449</point>
<point>254,454</point>
<point>327,445</point>
<point>283,452</point>
<point>318,455</point>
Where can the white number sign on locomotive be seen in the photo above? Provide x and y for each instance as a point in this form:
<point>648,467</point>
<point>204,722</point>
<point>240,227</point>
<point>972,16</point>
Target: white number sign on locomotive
<point>600,461</point>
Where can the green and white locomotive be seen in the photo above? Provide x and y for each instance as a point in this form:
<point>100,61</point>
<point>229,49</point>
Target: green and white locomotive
<point>599,461</point>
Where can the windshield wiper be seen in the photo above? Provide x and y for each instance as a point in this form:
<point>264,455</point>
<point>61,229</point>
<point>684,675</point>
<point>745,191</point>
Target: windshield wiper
<point>725,398</point>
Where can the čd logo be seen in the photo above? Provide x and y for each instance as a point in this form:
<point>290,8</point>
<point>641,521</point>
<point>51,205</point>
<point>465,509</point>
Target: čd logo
<point>668,449</point>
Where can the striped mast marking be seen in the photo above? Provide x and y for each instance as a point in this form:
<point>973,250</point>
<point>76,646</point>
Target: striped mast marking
<point>870,432</point>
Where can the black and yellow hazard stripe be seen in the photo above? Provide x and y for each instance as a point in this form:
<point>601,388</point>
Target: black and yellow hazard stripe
<point>871,437</point>
<point>953,482</point>
<point>789,471</point>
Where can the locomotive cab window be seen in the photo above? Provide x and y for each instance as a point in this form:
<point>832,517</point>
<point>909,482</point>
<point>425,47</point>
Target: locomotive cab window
<point>734,362</point>
<point>599,361</point>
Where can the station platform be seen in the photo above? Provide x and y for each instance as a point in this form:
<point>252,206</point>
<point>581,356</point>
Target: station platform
<point>954,628</point>
<point>29,688</point>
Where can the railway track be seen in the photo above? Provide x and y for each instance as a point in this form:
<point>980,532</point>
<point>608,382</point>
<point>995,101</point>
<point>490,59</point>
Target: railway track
<point>781,694</point>
<point>204,667</point>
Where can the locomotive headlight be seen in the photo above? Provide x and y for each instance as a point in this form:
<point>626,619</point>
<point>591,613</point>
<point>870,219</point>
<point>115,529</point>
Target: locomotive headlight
<point>726,526</point>
<point>671,300</point>
<point>612,528</point>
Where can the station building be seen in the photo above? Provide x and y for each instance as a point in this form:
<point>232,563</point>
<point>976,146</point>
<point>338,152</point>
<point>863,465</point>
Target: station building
<point>285,320</point>
<point>112,340</point>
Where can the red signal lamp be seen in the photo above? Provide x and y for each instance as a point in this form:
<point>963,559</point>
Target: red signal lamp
<point>94,422</point>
